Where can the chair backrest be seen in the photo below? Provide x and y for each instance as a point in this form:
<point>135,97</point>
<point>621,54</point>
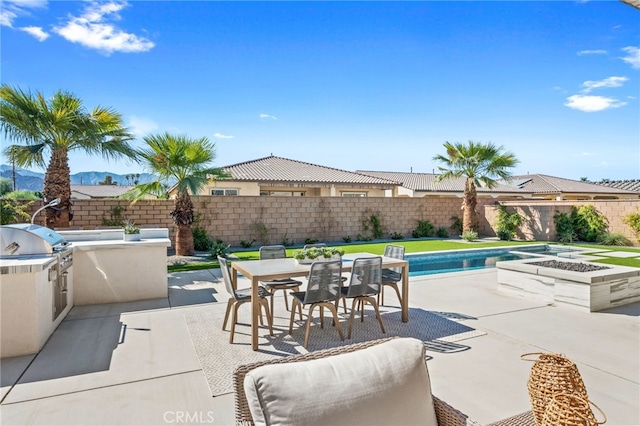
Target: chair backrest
<point>226,276</point>
<point>397,252</point>
<point>366,277</point>
<point>325,279</point>
<point>307,246</point>
<point>273,252</point>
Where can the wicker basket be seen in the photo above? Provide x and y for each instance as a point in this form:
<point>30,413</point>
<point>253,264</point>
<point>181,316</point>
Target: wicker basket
<point>552,374</point>
<point>570,410</point>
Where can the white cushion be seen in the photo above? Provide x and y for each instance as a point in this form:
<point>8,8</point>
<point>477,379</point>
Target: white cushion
<point>385,384</point>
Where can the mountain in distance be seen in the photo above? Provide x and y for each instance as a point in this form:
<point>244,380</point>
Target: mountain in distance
<point>34,181</point>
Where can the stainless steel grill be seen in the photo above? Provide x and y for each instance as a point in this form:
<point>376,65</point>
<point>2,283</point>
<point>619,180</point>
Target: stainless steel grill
<point>18,241</point>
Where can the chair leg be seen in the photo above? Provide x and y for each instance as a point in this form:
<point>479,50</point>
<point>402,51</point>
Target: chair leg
<point>295,303</point>
<point>265,306</point>
<point>395,286</point>
<point>334,312</point>
<point>272,304</point>
<point>286,301</point>
<point>226,314</point>
<point>353,310</point>
<point>373,303</point>
<point>321,317</point>
<point>308,326</point>
<point>234,319</point>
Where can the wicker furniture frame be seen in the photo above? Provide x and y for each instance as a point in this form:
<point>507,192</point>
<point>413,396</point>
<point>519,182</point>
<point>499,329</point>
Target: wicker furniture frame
<point>446,414</point>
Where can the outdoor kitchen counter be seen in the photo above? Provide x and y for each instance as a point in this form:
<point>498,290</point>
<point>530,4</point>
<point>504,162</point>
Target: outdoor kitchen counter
<point>108,269</point>
<point>25,264</point>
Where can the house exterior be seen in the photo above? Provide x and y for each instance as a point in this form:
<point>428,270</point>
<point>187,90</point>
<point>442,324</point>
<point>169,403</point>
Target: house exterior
<point>425,185</point>
<point>628,185</point>
<point>556,188</point>
<point>84,192</point>
<point>532,186</point>
<point>278,176</point>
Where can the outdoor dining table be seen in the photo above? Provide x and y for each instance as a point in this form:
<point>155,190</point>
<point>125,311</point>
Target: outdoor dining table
<point>271,269</point>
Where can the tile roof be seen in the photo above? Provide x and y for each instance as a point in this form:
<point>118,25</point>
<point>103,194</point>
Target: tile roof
<point>101,191</point>
<point>279,169</point>
<point>545,184</point>
<point>426,182</point>
<point>629,185</point>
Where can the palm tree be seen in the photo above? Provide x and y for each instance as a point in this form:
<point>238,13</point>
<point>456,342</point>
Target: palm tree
<point>187,162</point>
<point>52,128</point>
<point>479,164</point>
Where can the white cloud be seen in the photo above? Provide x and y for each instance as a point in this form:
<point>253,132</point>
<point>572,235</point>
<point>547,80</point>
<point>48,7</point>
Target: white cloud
<point>592,103</point>
<point>140,126</point>
<point>633,56</point>
<point>37,32</point>
<point>95,29</point>
<point>587,154</point>
<point>12,9</point>
<point>592,52</point>
<point>222,136</point>
<point>607,82</point>
<point>268,116</point>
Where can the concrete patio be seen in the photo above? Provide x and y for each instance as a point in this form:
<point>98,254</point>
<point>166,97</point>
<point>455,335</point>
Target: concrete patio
<point>135,364</point>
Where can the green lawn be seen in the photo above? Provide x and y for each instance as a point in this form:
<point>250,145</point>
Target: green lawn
<point>417,246</point>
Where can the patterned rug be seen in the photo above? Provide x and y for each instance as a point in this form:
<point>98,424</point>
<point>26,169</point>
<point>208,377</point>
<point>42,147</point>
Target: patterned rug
<point>219,358</point>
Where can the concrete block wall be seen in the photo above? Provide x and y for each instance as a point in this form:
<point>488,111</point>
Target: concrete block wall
<point>236,219</point>
<point>540,224</point>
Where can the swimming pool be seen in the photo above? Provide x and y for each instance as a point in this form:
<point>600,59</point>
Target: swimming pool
<point>467,260</point>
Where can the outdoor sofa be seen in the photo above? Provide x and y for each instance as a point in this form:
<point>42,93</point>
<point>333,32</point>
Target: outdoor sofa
<point>380,382</point>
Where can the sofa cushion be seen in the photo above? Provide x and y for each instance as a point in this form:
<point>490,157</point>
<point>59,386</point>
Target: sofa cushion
<point>385,384</point>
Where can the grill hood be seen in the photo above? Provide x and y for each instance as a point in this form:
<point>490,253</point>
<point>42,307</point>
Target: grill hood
<point>25,238</point>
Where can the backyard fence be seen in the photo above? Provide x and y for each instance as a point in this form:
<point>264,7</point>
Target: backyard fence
<point>274,220</point>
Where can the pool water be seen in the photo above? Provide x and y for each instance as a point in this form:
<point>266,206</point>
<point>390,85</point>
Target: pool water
<point>457,261</point>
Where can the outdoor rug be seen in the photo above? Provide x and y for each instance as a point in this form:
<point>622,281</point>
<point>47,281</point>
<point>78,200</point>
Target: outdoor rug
<point>219,358</point>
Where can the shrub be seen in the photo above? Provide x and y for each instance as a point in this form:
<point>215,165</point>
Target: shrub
<point>424,229</point>
<point>397,236</point>
<point>614,239</point>
<point>286,241</point>
<point>469,236</point>
<point>507,223</point>
<point>14,211</point>
<point>588,223</point>
<point>201,241</point>
<point>219,248</point>
<point>372,224</point>
<point>442,232</point>
<point>346,239</point>
<point>310,240</point>
<point>246,244</point>
<point>564,228</point>
<point>633,220</point>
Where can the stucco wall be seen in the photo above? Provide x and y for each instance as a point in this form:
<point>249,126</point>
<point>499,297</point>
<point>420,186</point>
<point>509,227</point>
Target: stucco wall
<point>234,219</point>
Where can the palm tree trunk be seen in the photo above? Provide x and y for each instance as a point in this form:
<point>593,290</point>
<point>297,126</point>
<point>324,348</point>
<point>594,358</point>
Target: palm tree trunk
<point>183,218</point>
<point>469,204</point>
<point>57,184</point>
<point>184,241</point>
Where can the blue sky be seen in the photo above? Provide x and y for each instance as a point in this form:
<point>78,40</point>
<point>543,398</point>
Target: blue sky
<point>350,85</point>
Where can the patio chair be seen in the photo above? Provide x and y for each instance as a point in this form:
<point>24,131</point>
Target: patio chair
<point>343,278</point>
<point>391,276</point>
<point>308,246</point>
<point>323,290</point>
<point>278,252</point>
<point>238,297</point>
<point>364,286</point>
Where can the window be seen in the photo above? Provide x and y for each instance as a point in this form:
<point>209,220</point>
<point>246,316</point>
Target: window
<point>354,194</point>
<point>220,192</point>
<point>282,193</point>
